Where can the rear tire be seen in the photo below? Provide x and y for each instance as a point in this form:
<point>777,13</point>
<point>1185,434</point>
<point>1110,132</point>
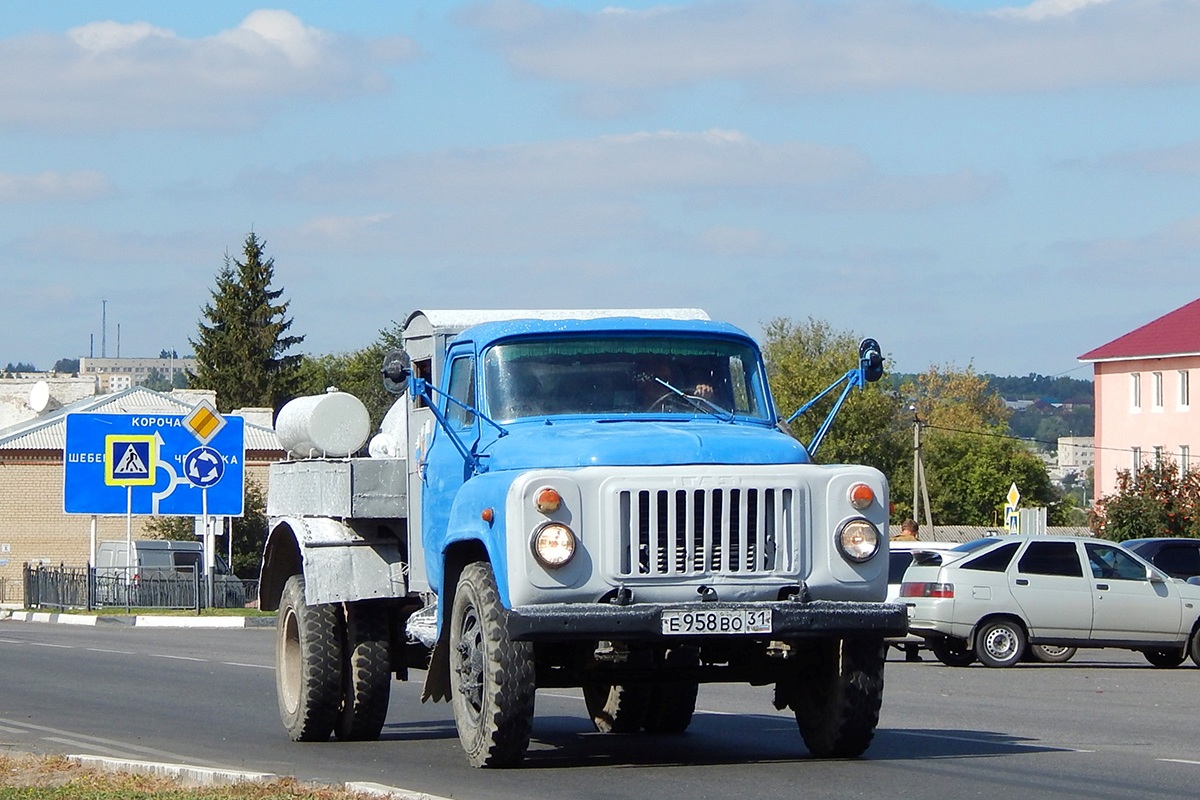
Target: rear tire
<point>1051,653</point>
<point>952,652</point>
<point>1194,647</point>
<point>673,704</point>
<point>366,676</point>
<point>836,695</point>
<point>492,678</point>
<point>617,708</point>
<point>1000,643</point>
<point>308,664</point>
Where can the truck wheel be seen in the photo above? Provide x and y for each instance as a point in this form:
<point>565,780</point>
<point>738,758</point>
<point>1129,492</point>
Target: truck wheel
<point>491,677</point>
<point>1000,643</point>
<point>308,664</point>
<point>615,707</point>
<point>366,675</point>
<point>672,704</point>
<point>952,652</point>
<point>837,695</point>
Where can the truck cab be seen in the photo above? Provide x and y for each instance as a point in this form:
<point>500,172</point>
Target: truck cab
<point>604,500</point>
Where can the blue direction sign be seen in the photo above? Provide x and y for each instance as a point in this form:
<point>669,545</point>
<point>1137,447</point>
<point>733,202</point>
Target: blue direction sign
<point>153,464</point>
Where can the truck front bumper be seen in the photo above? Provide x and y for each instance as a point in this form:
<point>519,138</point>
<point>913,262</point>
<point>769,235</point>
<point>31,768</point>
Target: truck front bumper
<point>644,621</point>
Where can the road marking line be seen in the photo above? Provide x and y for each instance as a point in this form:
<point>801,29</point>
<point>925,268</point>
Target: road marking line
<point>117,652</point>
<point>1179,761</point>
<point>251,666</point>
<point>175,658</point>
<point>58,646</point>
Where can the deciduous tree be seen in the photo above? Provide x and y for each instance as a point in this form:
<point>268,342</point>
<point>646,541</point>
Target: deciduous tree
<point>1157,500</point>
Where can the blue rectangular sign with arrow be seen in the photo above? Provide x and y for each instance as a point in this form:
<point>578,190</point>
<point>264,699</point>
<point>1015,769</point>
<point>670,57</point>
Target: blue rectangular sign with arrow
<point>153,464</point>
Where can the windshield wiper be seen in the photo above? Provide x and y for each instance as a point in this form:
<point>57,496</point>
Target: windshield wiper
<point>701,403</point>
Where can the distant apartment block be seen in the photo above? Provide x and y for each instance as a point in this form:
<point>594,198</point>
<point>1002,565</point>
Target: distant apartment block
<point>118,374</point>
<point>1144,410</point>
<point>1076,453</point>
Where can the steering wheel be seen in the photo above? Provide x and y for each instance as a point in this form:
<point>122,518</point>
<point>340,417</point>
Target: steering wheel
<point>670,398</point>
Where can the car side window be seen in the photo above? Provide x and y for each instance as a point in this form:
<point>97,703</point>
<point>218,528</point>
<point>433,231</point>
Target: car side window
<point>1051,558</point>
<point>996,560</point>
<point>1113,563</point>
<point>1178,560</point>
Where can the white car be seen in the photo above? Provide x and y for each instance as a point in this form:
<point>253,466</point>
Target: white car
<point>993,598</point>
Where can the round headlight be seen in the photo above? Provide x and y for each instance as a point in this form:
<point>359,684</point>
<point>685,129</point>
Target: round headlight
<point>858,540</point>
<point>553,545</point>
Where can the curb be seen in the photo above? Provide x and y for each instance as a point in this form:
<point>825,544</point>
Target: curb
<point>192,776</point>
<point>137,621</point>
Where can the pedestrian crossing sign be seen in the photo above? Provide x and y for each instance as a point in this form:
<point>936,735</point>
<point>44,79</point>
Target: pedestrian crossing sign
<point>130,460</point>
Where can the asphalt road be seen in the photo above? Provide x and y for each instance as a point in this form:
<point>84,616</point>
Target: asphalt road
<point>1106,725</point>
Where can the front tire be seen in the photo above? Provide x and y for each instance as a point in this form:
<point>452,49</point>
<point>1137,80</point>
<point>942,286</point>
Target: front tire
<point>308,664</point>
<point>1000,643</point>
<point>492,678</point>
<point>366,675</point>
<point>836,696</point>
<point>1165,659</point>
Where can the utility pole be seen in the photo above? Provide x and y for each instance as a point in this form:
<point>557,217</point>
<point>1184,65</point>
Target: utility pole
<point>920,489</point>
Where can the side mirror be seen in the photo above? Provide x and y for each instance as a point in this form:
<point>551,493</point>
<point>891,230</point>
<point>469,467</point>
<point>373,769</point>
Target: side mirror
<point>397,367</point>
<point>870,360</point>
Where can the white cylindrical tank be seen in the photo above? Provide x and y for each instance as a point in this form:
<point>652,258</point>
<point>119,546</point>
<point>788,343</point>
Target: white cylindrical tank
<point>334,424</point>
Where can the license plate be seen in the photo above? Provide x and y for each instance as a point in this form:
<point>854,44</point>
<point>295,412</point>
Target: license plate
<point>687,621</point>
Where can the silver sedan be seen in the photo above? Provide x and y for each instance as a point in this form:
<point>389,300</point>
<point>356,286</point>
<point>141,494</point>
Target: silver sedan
<point>992,598</point>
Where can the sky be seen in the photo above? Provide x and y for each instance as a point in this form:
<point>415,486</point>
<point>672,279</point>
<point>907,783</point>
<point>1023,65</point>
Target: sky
<point>973,184</point>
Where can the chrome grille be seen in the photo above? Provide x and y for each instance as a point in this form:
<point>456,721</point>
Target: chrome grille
<point>684,532</point>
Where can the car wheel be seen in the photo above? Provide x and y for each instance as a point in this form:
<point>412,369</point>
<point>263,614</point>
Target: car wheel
<point>1165,659</point>
<point>1000,643</point>
<point>1051,653</point>
<point>1194,646</point>
<point>952,652</point>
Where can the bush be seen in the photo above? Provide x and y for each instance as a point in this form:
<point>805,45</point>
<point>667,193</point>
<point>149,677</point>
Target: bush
<point>1157,500</point>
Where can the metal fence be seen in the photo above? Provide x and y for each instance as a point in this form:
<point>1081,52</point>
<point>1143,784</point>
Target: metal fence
<point>175,588</point>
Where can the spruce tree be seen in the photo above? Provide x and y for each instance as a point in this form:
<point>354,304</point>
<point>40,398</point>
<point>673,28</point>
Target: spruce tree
<point>242,347</point>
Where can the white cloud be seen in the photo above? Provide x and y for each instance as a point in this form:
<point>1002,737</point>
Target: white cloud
<point>809,46</point>
<point>109,75</point>
<point>53,186</point>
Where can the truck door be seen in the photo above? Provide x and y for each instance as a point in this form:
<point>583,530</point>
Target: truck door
<point>445,467</point>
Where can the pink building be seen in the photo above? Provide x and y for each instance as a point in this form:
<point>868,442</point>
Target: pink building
<point>1143,396</point>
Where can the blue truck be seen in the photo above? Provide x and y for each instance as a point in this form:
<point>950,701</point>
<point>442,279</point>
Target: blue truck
<point>601,500</point>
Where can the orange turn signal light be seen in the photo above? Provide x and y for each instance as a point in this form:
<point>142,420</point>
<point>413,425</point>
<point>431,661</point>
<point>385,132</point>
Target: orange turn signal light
<point>861,496</point>
<point>547,500</point>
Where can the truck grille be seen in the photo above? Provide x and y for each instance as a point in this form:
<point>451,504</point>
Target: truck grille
<point>685,532</point>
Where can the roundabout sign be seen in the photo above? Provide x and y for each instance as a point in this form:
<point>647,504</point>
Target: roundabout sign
<point>203,467</point>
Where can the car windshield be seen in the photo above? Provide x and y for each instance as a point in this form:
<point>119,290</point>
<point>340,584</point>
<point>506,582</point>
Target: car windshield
<point>607,375</point>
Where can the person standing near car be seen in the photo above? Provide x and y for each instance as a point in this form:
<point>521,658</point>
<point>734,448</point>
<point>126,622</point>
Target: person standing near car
<point>908,531</point>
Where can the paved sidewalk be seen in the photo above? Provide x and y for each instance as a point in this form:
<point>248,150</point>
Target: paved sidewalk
<point>137,620</point>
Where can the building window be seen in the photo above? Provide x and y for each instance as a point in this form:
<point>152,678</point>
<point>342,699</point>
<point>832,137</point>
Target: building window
<point>1185,453</point>
<point>1135,391</point>
<point>1158,455</point>
<point>1158,391</point>
<point>1137,463</point>
<point>1185,390</point>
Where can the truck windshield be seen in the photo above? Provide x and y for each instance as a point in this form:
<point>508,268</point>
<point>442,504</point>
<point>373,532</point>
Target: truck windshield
<point>623,375</point>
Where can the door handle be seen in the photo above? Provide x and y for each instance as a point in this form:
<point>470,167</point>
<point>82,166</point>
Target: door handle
<point>1102,587</point>
<point>1022,581</point>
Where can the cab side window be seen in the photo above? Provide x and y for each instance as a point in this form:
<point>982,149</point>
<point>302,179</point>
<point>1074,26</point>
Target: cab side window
<point>1051,558</point>
<point>462,389</point>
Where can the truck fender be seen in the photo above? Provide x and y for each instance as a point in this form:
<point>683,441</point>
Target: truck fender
<point>340,563</point>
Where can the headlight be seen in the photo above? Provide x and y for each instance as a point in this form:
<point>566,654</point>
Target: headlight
<point>553,545</point>
<point>858,540</point>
